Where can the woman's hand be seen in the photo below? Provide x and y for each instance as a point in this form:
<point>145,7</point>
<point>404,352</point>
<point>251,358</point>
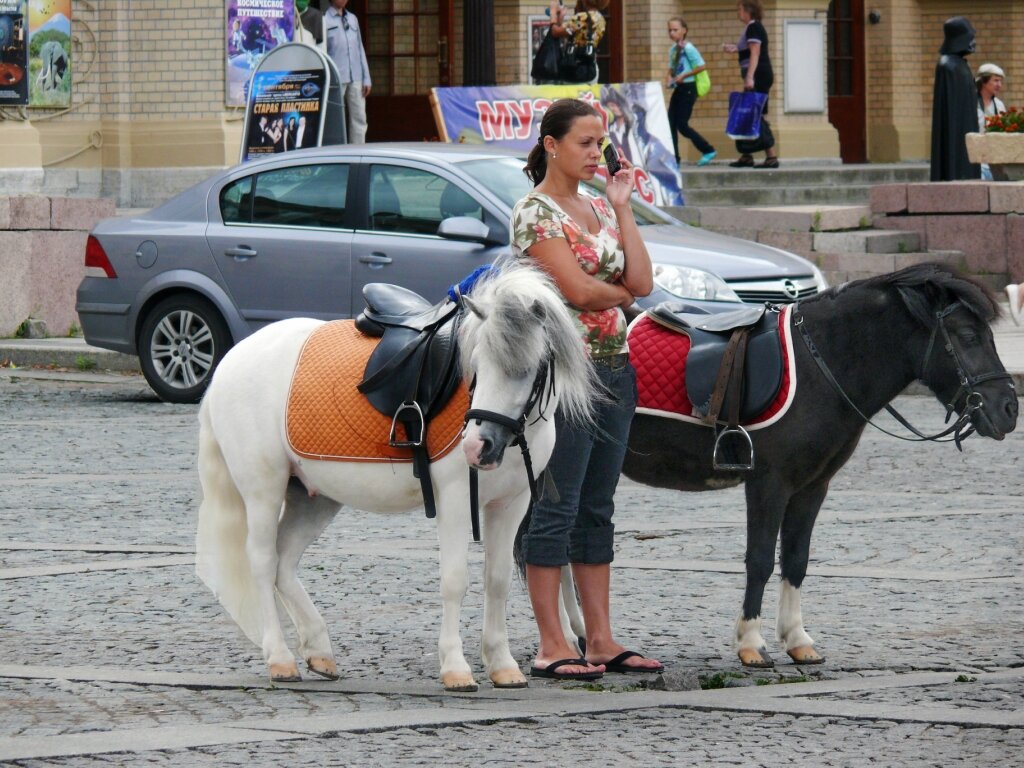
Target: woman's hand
<point>748,84</point>
<point>729,47</point>
<point>620,187</point>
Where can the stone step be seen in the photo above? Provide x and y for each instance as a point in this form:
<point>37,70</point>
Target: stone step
<point>787,218</point>
<point>841,268</point>
<point>867,241</point>
<point>771,194</point>
<point>821,175</point>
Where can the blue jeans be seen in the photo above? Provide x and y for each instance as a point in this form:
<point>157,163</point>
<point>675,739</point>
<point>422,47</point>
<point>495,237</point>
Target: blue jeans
<point>585,467</point>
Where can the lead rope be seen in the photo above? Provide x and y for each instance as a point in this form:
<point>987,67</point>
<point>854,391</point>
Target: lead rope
<point>544,382</point>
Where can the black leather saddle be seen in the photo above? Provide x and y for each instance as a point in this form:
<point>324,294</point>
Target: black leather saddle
<point>710,334</point>
<point>415,360</point>
<point>414,369</point>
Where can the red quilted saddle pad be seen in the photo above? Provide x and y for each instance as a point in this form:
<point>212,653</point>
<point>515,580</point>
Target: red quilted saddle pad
<point>659,356</point>
<point>329,419</point>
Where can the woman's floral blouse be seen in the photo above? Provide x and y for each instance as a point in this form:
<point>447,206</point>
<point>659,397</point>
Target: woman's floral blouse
<point>537,217</point>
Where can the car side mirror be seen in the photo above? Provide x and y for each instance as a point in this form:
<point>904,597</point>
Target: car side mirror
<point>464,228</point>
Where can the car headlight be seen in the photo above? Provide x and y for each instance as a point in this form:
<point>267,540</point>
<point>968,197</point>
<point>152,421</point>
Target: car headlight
<point>690,283</point>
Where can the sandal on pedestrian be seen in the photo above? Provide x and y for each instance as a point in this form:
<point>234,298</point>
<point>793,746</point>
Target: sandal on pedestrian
<point>744,161</point>
<point>551,670</point>
<point>770,162</point>
<point>618,665</point>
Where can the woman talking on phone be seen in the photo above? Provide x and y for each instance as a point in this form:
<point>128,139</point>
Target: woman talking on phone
<point>593,252</point>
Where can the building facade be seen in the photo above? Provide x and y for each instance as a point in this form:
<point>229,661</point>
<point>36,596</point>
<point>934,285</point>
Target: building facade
<point>148,115</point>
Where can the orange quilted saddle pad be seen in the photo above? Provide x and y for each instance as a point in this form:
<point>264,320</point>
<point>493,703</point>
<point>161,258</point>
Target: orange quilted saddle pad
<point>329,419</point>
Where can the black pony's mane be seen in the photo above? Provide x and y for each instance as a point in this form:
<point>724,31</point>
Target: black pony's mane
<point>926,288</point>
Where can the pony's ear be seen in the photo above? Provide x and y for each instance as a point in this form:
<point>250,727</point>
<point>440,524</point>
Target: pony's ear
<point>539,310</point>
<point>473,307</point>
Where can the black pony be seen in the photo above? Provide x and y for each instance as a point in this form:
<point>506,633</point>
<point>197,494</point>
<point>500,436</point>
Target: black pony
<point>874,337</point>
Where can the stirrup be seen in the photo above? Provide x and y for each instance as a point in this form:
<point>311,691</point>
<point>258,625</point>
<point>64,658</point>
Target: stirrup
<point>737,430</point>
<point>415,408</point>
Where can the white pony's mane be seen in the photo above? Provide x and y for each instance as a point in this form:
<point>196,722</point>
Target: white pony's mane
<point>524,320</point>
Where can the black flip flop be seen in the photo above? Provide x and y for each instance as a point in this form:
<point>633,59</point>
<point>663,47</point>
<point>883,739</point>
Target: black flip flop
<point>616,665</point>
<point>551,670</point>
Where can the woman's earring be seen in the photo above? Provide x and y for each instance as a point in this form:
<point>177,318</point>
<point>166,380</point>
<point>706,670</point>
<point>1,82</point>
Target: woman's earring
<point>554,155</point>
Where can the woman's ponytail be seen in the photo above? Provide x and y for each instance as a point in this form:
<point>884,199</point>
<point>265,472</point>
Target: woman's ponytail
<point>537,163</point>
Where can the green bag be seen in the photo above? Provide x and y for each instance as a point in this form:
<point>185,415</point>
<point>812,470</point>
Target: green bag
<point>702,79</point>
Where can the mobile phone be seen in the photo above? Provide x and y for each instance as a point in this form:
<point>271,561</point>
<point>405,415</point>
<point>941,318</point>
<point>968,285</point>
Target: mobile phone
<point>611,159</point>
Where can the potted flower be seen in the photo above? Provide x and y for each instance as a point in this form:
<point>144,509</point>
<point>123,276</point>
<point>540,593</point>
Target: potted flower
<point>1001,146</point>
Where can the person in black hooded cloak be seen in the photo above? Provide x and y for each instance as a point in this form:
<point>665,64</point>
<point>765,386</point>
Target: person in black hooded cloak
<point>954,105</point>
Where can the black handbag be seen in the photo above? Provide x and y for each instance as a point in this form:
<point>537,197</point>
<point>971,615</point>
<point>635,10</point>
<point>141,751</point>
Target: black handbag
<point>765,140</point>
<point>547,62</point>
<point>579,64</point>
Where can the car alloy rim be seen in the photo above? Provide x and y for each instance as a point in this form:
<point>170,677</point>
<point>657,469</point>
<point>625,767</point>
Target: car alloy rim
<point>182,349</point>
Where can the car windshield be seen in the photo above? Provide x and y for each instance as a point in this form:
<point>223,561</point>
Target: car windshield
<point>504,177</point>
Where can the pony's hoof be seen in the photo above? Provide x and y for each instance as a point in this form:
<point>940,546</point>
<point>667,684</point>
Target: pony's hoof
<point>323,666</point>
<point>459,682</point>
<point>805,654</point>
<point>285,673</point>
<point>758,658</point>
<point>508,678</point>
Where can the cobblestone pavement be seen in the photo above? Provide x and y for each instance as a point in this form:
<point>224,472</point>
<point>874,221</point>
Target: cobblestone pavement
<point>112,652</point>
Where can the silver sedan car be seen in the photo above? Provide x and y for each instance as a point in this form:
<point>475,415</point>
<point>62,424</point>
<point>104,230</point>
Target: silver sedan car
<point>301,233</point>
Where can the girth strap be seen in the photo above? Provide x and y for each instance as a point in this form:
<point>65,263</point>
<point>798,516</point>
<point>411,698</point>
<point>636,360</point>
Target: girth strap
<point>730,379</point>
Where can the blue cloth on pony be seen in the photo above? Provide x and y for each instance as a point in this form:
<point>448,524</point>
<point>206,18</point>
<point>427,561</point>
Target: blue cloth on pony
<point>465,285</point>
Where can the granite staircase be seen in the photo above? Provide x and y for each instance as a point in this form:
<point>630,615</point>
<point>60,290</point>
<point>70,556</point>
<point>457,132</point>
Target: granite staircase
<point>793,183</point>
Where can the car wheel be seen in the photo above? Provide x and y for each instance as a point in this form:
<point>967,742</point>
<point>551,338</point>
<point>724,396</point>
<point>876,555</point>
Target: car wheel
<point>183,339</point>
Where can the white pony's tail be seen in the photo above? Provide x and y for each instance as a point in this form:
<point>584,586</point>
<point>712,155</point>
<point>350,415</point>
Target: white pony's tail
<point>222,561</point>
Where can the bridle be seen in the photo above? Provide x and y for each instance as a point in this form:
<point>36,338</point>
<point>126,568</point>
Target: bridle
<point>540,393</point>
<point>962,428</point>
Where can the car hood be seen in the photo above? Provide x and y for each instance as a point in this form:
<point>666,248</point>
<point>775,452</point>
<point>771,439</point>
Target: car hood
<point>728,257</point>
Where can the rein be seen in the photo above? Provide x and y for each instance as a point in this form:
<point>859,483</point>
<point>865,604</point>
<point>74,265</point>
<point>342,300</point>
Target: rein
<point>543,383</point>
<point>961,429</point>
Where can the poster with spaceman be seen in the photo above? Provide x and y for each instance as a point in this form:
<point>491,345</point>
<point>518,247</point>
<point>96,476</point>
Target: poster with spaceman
<point>13,53</point>
<point>253,28</point>
<point>49,53</point>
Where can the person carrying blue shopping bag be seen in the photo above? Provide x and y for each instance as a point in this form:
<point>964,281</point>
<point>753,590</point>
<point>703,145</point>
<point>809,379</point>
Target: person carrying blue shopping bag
<point>687,75</point>
<point>757,74</point>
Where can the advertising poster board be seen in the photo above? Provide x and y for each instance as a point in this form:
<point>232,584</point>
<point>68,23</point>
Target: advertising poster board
<point>253,28</point>
<point>293,102</point>
<point>49,53</point>
<point>285,113</point>
<point>634,115</point>
<point>13,52</point>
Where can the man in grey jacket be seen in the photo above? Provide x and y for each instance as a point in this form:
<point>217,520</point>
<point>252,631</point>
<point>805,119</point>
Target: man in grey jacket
<point>345,47</point>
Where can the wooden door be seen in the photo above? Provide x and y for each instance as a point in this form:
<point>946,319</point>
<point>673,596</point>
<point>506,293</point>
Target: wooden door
<point>846,102</point>
<point>609,50</point>
<point>408,45</point>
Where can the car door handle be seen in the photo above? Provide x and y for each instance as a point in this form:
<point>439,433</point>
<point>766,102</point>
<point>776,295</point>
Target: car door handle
<point>241,253</point>
<point>375,258</point>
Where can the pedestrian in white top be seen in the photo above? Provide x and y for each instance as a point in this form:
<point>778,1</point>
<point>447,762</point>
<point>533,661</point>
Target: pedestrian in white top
<point>345,47</point>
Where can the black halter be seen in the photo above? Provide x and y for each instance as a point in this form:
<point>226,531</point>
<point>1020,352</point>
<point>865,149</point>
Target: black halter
<point>972,399</point>
<point>541,392</point>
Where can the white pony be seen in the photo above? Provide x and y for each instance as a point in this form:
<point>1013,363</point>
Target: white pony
<point>263,505</point>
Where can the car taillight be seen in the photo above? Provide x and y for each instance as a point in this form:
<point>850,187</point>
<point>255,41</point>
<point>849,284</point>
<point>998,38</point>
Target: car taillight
<point>96,258</point>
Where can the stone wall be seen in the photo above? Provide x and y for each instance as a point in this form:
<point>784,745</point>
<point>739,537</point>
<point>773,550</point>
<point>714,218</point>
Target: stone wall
<point>42,258</point>
<point>984,220</point>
